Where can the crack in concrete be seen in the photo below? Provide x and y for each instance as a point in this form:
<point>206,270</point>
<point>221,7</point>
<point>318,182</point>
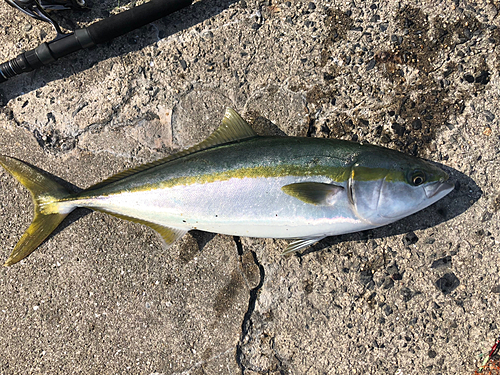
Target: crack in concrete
<point>247,322</point>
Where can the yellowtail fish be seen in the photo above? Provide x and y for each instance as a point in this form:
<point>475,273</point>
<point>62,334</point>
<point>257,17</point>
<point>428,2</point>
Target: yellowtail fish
<point>238,183</point>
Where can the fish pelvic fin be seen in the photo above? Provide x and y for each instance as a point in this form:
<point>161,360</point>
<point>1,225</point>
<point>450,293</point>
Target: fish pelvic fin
<point>45,193</point>
<point>300,244</point>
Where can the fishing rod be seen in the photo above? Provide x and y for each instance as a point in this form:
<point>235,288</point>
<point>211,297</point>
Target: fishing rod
<point>97,33</point>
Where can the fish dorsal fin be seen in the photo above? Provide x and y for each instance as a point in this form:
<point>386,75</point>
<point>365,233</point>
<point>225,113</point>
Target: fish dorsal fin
<point>316,193</point>
<point>169,235</point>
<point>233,128</point>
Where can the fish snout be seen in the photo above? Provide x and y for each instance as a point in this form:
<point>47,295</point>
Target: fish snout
<point>438,189</point>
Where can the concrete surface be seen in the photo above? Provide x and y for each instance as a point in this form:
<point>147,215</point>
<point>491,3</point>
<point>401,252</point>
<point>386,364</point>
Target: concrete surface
<point>102,296</point>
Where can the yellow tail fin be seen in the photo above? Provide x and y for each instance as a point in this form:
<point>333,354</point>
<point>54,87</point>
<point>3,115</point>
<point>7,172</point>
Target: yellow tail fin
<point>45,192</point>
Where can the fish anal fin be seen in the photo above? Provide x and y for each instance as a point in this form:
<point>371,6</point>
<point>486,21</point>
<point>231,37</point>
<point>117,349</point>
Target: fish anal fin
<point>316,193</point>
<point>169,234</point>
<point>233,128</point>
<point>300,244</point>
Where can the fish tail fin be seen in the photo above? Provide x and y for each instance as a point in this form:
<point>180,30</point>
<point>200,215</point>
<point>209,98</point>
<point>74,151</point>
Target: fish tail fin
<point>46,194</point>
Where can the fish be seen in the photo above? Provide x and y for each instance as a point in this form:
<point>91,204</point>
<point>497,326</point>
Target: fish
<point>238,183</point>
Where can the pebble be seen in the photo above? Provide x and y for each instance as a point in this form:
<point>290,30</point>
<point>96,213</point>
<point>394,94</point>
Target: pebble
<point>417,124</point>
<point>388,310</point>
<point>469,78</point>
<point>388,283</point>
<point>448,283</point>
<point>410,239</point>
<point>406,293</point>
<point>370,65</point>
<point>183,64</point>
<point>483,78</point>
<point>489,116</point>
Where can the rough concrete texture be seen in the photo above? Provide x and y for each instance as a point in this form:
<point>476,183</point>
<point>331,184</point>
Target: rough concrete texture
<point>103,296</point>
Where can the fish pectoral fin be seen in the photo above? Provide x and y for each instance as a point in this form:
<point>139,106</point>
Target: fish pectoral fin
<point>169,234</point>
<point>300,244</point>
<point>316,193</point>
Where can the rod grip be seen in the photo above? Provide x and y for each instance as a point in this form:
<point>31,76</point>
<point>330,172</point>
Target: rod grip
<point>99,32</point>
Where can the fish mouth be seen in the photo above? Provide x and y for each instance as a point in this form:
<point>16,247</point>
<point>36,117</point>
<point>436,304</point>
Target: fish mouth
<point>438,189</point>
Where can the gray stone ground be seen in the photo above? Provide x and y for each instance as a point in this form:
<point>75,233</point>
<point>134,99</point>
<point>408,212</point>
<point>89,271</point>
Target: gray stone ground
<point>102,296</point>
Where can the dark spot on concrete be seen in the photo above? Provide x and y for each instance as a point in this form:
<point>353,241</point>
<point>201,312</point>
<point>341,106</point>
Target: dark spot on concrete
<point>338,23</point>
<point>150,115</point>
<point>308,286</point>
<point>272,89</point>
<point>399,129</point>
<point>483,78</point>
<point>392,269</point>
<point>406,293</point>
<point>318,94</point>
<point>486,216</point>
<point>387,310</point>
<point>388,283</point>
<point>418,43</point>
<point>54,141</point>
<point>417,124</point>
<point>410,239</point>
<point>495,289</point>
<point>366,277</point>
<point>396,276</point>
<point>370,65</point>
<point>228,294</point>
<point>429,241</point>
<point>448,283</point>
<point>442,262</point>
<point>183,64</point>
<point>469,78</point>
<point>432,354</point>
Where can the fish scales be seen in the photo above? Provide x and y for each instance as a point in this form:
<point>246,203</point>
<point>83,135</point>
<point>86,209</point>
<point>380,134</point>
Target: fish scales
<point>246,177</point>
<point>238,183</point>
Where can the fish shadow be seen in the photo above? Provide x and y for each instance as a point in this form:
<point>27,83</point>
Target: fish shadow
<point>133,41</point>
<point>465,195</point>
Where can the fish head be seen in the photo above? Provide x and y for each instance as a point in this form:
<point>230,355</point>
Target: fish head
<point>386,185</point>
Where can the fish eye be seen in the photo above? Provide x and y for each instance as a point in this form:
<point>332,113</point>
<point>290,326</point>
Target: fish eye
<point>417,178</point>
